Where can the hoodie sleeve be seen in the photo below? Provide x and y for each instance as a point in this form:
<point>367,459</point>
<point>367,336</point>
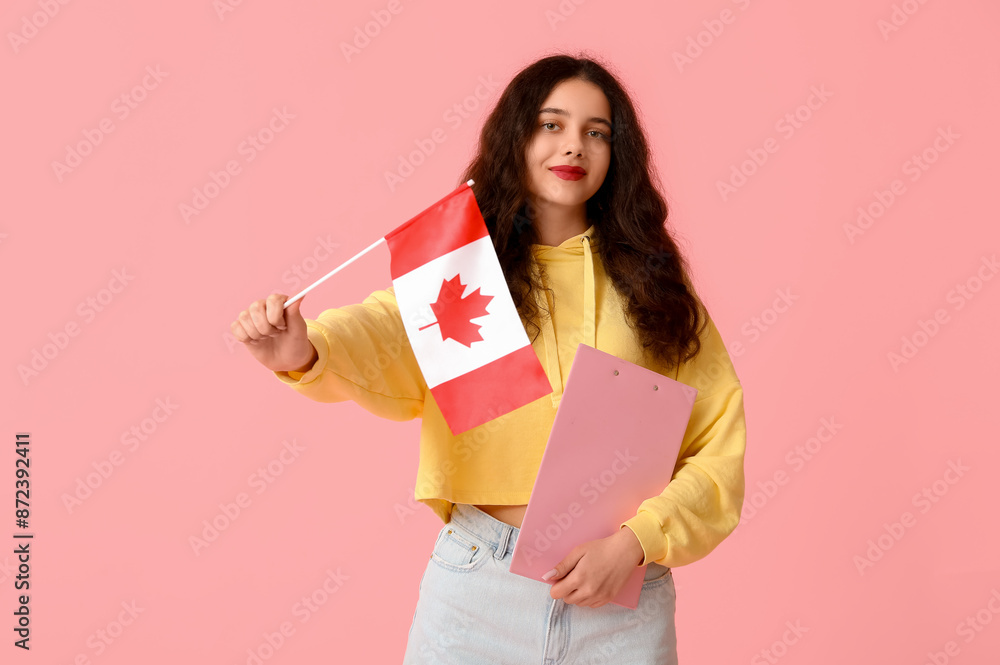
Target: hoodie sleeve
<point>701,504</point>
<point>364,356</point>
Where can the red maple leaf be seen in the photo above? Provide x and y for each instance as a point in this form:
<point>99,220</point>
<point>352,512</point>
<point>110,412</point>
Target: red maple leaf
<point>455,313</point>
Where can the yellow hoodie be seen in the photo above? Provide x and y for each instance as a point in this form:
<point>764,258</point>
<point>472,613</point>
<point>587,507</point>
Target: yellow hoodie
<point>365,356</point>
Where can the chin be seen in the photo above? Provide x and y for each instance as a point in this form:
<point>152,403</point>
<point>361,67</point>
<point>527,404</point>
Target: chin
<point>566,202</point>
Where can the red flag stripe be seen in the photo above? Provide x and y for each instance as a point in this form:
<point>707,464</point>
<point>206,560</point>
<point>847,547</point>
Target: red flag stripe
<point>410,246</point>
<point>492,390</point>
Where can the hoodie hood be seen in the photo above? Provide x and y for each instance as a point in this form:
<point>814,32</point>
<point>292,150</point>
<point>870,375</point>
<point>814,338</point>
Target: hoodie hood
<point>575,251</point>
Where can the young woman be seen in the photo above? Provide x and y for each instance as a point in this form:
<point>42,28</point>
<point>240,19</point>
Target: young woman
<point>563,179</point>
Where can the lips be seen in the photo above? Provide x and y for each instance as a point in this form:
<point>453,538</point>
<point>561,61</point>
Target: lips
<point>568,172</point>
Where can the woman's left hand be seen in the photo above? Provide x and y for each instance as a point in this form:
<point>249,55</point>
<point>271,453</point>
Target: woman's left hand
<point>593,573</point>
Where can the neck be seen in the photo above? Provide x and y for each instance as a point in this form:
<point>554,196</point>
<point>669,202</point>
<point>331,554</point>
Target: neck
<point>556,223</point>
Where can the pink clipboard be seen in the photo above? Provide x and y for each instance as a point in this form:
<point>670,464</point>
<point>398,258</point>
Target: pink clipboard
<point>614,443</point>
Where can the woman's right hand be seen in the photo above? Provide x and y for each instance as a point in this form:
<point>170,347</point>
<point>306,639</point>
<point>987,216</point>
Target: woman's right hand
<point>274,335</point>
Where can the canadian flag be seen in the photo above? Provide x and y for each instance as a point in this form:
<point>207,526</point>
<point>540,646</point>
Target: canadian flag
<point>459,316</point>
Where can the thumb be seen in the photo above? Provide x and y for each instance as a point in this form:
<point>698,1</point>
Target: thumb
<point>564,567</point>
<point>293,310</point>
<point>557,572</point>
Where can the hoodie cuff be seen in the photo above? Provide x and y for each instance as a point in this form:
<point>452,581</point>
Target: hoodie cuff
<point>318,340</point>
<point>647,529</point>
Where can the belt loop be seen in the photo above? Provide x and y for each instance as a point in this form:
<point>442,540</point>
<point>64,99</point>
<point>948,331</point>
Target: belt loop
<point>504,538</point>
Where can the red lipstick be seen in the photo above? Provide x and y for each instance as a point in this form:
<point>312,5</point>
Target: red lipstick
<point>569,172</point>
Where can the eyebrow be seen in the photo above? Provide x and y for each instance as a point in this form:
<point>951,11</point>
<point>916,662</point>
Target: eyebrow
<point>550,109</point>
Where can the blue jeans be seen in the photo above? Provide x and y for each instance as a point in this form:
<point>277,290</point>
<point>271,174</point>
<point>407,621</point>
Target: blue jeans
<point>472,610</point>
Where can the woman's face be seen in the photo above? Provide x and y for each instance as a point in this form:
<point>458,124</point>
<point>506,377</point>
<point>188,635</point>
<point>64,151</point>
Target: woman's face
<point>572,129</point>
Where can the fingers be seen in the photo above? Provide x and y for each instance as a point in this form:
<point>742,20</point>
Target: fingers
<point>251,324</point>
<point>239,333</point>
<point>245,329</point>
<point>258,314</point>
<point>275,310</point>
<point>263,319</point>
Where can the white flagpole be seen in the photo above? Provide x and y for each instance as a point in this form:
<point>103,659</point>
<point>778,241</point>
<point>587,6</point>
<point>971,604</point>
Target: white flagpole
<point>342,266</point>
<point>334,271</point>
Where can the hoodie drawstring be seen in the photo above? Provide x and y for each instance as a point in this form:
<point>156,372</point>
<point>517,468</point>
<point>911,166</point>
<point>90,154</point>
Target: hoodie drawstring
<point>587,333</point>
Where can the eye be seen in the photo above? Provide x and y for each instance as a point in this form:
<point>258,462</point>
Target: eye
<point>548,123</point>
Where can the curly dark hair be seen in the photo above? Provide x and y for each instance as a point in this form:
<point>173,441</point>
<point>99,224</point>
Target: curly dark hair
<point>629,213</point>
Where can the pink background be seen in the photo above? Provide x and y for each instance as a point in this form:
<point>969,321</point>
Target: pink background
<point>345,502</point>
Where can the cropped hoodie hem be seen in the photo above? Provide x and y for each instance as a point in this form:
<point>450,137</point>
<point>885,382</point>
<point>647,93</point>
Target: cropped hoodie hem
<point>364,356</point>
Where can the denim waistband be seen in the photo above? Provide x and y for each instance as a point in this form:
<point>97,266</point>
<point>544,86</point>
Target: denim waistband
<point>500,535</point>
